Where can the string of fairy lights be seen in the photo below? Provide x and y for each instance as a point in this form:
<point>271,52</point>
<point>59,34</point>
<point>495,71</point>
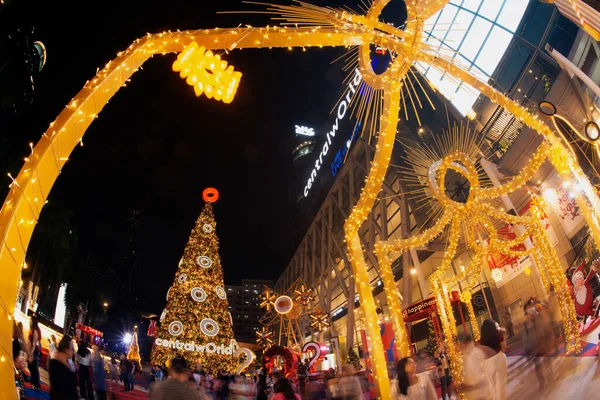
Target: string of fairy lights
<point>397,89</point>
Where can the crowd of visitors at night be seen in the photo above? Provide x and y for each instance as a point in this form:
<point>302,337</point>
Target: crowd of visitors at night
<point>85,374</point>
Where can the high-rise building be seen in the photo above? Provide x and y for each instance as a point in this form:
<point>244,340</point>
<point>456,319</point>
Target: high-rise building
<point>132,257</point>
<point>244,305</point>
<point>503,42</point>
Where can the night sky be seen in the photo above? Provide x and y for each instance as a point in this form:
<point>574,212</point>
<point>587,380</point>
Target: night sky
<point>155,146</point>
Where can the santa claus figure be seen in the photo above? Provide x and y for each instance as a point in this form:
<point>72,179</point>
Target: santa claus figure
<point>582,291</point>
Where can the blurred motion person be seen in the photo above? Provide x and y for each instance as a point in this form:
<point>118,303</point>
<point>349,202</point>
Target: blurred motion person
<point>63,382</point>
<point>474,385</point>
<point>284,390</point>
<point>176,385</point>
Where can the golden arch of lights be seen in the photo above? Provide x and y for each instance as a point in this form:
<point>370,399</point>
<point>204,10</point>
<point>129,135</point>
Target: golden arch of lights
<point>307,26</point>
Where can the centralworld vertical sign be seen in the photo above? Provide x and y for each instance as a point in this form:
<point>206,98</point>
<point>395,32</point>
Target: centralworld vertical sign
<point>342,111</point>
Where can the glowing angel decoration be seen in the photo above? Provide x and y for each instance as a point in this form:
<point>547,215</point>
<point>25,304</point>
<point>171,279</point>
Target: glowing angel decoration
<point>468,222</point>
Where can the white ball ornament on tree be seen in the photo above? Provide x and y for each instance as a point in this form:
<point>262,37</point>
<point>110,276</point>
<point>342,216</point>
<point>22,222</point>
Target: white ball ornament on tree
<point>198,294</point>
<point>175,328</point>
<point>208,228</point>
<point>209,327</point>
<point>204,262</point>
<point>220,292</point>
<point>182,278</point>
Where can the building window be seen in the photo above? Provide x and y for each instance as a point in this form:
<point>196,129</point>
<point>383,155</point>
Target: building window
<point>479,34</point>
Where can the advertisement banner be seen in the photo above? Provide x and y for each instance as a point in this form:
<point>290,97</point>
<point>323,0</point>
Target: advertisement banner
<point>565,206</point>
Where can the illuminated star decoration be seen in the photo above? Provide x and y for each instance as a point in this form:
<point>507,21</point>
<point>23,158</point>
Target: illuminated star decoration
<point>303,296</point>
<point>497,275</point>
<point>264,337</point>
<point>207,73</point>
<point>267,299</point>
<point>319,320</point>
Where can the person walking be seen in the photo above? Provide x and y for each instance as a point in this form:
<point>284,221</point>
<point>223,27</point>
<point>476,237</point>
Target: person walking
<point>474,386</point>
<point>84,359</point>
<point>34,352</point>
<point>175,386</point>
<point>51,349</point>
<point>131,374</point>
<point>284,390</point>
<point>113,371</point>
<point>495,364</point>
<point>99,373</point>
<point>261,387</point>
<point>63,383</point>
<point>491,336</point>
<point>349,384</point>
<point>508,322</point>
<point>123,370</point>
<point>408,385</point>
<point>444,369</point>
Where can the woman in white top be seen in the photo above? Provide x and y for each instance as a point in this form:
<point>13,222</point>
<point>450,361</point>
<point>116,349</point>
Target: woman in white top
<point>495,365</point>
<point>409,386</point>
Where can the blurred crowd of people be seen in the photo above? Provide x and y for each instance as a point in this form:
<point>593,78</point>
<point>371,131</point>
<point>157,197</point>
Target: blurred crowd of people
<point>84,374</point>
<point>186,383</point>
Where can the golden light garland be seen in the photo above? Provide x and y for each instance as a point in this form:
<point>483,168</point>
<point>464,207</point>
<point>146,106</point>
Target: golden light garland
<point>314,27</point>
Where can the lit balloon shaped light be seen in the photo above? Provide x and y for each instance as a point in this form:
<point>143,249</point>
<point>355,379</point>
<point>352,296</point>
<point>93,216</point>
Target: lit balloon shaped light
<point>207,73</point>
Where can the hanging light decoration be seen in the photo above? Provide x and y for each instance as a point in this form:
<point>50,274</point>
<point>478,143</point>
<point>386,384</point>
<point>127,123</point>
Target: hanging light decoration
<point>497,275</point>
<point>267,298</point>
<point>319,320</point>
<point>207,73</point>
<point>303,296</point>
<point>264,337</point>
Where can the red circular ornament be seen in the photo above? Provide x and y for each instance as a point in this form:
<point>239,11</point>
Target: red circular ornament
<point>210,195</point>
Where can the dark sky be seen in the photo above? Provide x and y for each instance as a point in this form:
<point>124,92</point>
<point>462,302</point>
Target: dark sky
<point>156,146</point>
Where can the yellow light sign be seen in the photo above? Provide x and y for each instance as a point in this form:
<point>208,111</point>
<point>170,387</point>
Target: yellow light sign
<point>207,73</point>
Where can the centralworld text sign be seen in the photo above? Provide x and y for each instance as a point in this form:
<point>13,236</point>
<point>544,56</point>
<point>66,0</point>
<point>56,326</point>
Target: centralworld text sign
<point>209,348</point>
<point>342,111</point>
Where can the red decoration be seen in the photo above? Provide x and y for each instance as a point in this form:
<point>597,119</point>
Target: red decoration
<point>210,195</point>
<point>152,329</point>
<point>289,357</point>
<point>582,292</point>
<point>89,330</point>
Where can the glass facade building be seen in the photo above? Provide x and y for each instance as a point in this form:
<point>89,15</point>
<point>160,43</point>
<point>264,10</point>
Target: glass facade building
<point>474,34</point>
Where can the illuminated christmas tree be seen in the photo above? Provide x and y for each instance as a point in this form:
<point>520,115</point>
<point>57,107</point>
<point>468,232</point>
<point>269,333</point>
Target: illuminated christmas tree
<point>134,348</point>
<point>354,359</point>
<point>196,322</point>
